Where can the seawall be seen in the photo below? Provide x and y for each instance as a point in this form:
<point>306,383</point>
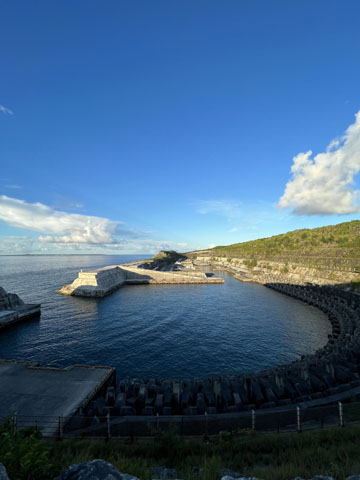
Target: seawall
<point>265,271</point>
<point>14,310</point>
<point>103,281</point>
<point>328,375</point>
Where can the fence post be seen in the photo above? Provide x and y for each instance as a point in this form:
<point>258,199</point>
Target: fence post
<point>253,420</point>
<point>14,423</point>
<point>157,420</point>
<point>60,427</point>
<point>108,425</point>
<point>206,434</point>
<point>298,419</point>
<point>341,416</point>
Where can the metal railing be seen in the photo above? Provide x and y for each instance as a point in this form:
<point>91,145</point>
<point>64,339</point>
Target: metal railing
<point>278,420</point>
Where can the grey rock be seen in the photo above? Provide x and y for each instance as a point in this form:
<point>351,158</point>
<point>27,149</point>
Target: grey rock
<point>94,470</point>
<point>353,477</point>
<point>3,472</point>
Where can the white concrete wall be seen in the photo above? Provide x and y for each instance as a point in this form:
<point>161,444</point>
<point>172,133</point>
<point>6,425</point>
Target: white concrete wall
<point>133,273</point>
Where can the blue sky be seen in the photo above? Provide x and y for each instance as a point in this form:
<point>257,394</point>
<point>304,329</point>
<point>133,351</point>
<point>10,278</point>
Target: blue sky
<point>130,126</point>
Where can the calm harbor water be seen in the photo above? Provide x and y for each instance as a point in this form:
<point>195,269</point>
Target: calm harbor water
<point>148,331</point>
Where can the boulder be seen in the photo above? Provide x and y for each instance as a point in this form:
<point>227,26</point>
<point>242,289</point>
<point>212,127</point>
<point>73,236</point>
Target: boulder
<point>94,470</point>
<point>3,472</point>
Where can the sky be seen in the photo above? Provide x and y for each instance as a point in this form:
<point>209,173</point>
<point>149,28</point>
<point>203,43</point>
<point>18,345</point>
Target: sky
<point>130,126</point>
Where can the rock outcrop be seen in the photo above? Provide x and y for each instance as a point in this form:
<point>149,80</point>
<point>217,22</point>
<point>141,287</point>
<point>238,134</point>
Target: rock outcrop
<point>95,470</point>
<point>3,473</point>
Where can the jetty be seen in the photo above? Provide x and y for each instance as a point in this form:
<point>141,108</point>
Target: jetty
<point>103,281</point>
<point>14,310</point>
<point>40,395</point>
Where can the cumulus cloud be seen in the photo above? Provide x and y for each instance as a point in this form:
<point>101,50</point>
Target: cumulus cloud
<point>5,110</point>
<point>324,184</point>
<point>63,232</point>
<point>60,227</point>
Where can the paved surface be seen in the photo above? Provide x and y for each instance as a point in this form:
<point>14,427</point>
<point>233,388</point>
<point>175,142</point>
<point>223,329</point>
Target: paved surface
<point>39,392</point>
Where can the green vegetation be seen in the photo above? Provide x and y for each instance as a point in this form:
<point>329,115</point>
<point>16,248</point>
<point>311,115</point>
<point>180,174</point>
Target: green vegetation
<point>162,259</point>
<point>25,455</point>
<point>169,255</point>
<point>333,452</point>
<point>334,247</point>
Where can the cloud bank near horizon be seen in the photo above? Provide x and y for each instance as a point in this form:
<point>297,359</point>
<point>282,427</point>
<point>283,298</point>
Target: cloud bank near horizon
<point>324,184</point>
<point>71,231</point>
<point>60,227</point>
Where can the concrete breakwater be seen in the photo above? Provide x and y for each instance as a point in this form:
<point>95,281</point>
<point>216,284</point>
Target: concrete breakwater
<point>314,379</point>
<point>13,309</point>
<point>103,281</point>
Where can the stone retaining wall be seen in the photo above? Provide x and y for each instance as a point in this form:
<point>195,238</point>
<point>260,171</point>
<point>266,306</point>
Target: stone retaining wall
<point>286,272</point>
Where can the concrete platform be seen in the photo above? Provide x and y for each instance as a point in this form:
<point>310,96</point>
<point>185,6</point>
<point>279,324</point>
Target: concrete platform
<point>25,312</point>
<point>13,309</point>
<point>39,395</point>
<point>103,281</point>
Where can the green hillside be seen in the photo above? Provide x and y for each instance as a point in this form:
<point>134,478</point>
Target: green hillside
<point>334,247</point>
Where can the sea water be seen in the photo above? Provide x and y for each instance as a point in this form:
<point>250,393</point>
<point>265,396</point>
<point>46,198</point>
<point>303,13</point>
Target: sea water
<point>155,331</point>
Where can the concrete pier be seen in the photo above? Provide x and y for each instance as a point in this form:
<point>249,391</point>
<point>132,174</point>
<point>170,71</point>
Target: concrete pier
<point>13,309</point>
<point>103,281</point>
<point>40,395</point>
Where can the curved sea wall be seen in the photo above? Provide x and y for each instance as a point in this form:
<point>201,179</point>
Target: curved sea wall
<point>331,370</point>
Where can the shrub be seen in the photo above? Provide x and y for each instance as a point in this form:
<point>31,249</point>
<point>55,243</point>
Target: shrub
<point>24,453</point>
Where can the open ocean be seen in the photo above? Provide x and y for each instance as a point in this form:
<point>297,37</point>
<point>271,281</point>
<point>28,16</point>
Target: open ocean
<point>155,331</point>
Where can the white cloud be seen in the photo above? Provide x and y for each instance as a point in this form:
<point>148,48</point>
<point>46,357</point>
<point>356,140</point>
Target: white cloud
<point>64,232</point>
<point>60,227</point>
<point>324,185</point>
<point>5,110</point>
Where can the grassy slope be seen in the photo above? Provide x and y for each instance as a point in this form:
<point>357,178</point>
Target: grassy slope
<point>333,452</point>
<point>334,246</point>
